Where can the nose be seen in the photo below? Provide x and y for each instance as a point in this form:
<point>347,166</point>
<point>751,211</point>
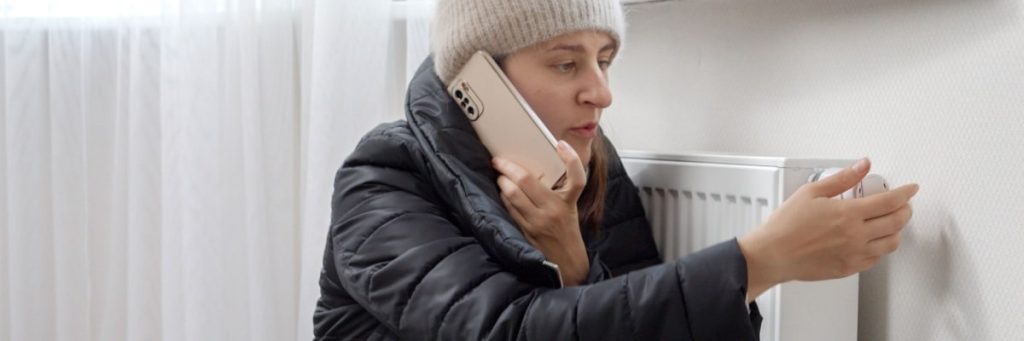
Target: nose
<point>595,91</point>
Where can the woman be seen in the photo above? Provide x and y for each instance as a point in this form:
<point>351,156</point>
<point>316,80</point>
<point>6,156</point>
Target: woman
<point>432,239</point>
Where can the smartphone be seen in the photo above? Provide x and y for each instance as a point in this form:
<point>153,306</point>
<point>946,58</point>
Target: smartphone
<point>503,120</point>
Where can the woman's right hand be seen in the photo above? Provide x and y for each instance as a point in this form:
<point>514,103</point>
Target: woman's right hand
<point>547,217</point>
<point>814,237</point>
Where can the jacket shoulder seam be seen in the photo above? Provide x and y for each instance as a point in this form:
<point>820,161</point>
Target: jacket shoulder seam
<point>629,307</point>
<point>391,218</point>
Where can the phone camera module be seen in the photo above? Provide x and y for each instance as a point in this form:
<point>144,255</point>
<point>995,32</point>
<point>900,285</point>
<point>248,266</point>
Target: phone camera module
<point>472,113</point>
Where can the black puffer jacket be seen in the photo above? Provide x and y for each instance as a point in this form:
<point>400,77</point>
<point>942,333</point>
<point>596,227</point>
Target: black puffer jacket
<point>420,247</point>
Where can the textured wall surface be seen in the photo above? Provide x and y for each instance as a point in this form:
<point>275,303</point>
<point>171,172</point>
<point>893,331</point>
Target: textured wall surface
<point>931,90</point>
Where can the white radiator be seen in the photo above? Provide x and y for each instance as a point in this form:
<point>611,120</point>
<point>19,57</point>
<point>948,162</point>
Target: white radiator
<point>696,200</point>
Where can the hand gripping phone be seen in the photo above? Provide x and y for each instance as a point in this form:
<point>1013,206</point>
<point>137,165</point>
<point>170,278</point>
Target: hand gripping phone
<point>503,120</point>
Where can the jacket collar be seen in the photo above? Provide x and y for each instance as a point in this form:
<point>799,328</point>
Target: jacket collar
<point>460,169</point>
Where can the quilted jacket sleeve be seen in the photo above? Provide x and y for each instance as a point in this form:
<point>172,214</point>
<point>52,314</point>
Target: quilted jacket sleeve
<point>399,257</point>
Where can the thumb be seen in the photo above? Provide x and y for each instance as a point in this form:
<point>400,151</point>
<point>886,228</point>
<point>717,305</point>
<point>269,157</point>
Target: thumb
<point>575,175</point>
<point>842,181</point>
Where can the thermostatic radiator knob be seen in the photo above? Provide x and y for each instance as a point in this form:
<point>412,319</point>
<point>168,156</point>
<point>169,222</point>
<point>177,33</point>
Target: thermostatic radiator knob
<point>871,184</point>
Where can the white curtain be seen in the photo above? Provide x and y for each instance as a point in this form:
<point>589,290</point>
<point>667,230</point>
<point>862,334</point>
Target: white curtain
<point>167,166</point>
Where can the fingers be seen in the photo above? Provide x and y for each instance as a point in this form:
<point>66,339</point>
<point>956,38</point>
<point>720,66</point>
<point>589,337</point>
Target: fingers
<point>520,219</point>
<point>514,195</point>
<point>514,212</point>
<point>524,183</point>
<point>840,182</point>
<point>889,224</point>
<point>883,246</point>
<point>885,232</point>
<point>884,203</point>
<point>575,174</point>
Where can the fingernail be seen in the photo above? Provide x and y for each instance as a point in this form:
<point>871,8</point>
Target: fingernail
<point>562,144</point>
<point>861,165</point>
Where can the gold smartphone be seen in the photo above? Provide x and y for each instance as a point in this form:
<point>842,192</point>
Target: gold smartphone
<point>503,120</point>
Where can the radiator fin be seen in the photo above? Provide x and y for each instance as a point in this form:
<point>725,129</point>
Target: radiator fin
<point>699,219</point>
<point>696,200</point>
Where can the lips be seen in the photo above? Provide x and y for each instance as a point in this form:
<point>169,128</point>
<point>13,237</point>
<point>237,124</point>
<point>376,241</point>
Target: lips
<point>588,130</point>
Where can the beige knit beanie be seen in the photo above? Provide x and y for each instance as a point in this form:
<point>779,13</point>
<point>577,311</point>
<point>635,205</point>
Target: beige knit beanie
<point>462,27</point>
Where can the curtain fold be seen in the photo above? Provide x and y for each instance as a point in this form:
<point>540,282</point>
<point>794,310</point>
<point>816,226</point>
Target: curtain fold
<point>347,73</point>
<point>167,166</point>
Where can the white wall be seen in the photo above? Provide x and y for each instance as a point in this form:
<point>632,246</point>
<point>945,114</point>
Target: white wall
<point>931,90</point>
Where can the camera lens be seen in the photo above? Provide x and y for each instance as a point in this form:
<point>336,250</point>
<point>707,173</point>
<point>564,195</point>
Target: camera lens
<point>458,94</point>
<point>471,110</point>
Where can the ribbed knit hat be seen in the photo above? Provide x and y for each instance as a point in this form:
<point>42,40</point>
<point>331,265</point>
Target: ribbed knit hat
<point>462,27</point>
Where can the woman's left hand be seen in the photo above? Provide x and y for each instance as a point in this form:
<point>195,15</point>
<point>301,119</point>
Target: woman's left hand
<point>548,217</point>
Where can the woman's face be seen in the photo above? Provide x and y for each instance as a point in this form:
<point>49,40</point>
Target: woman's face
<point>565,81</point>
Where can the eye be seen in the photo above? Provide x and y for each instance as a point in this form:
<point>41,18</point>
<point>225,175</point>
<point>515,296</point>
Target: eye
<point>565,67</point>
<point>605,64</point>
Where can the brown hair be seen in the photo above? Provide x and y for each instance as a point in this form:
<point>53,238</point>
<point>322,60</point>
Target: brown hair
<point>590,205</point>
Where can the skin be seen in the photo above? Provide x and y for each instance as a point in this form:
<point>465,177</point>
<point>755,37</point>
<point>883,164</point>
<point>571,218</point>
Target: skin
<point>810,237</point>
<point>813,237</point>
<point>565,81</point>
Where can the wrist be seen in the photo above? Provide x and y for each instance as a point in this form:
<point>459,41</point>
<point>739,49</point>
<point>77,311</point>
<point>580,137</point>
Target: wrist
<point>762,272</point>
<point>579,268</point>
